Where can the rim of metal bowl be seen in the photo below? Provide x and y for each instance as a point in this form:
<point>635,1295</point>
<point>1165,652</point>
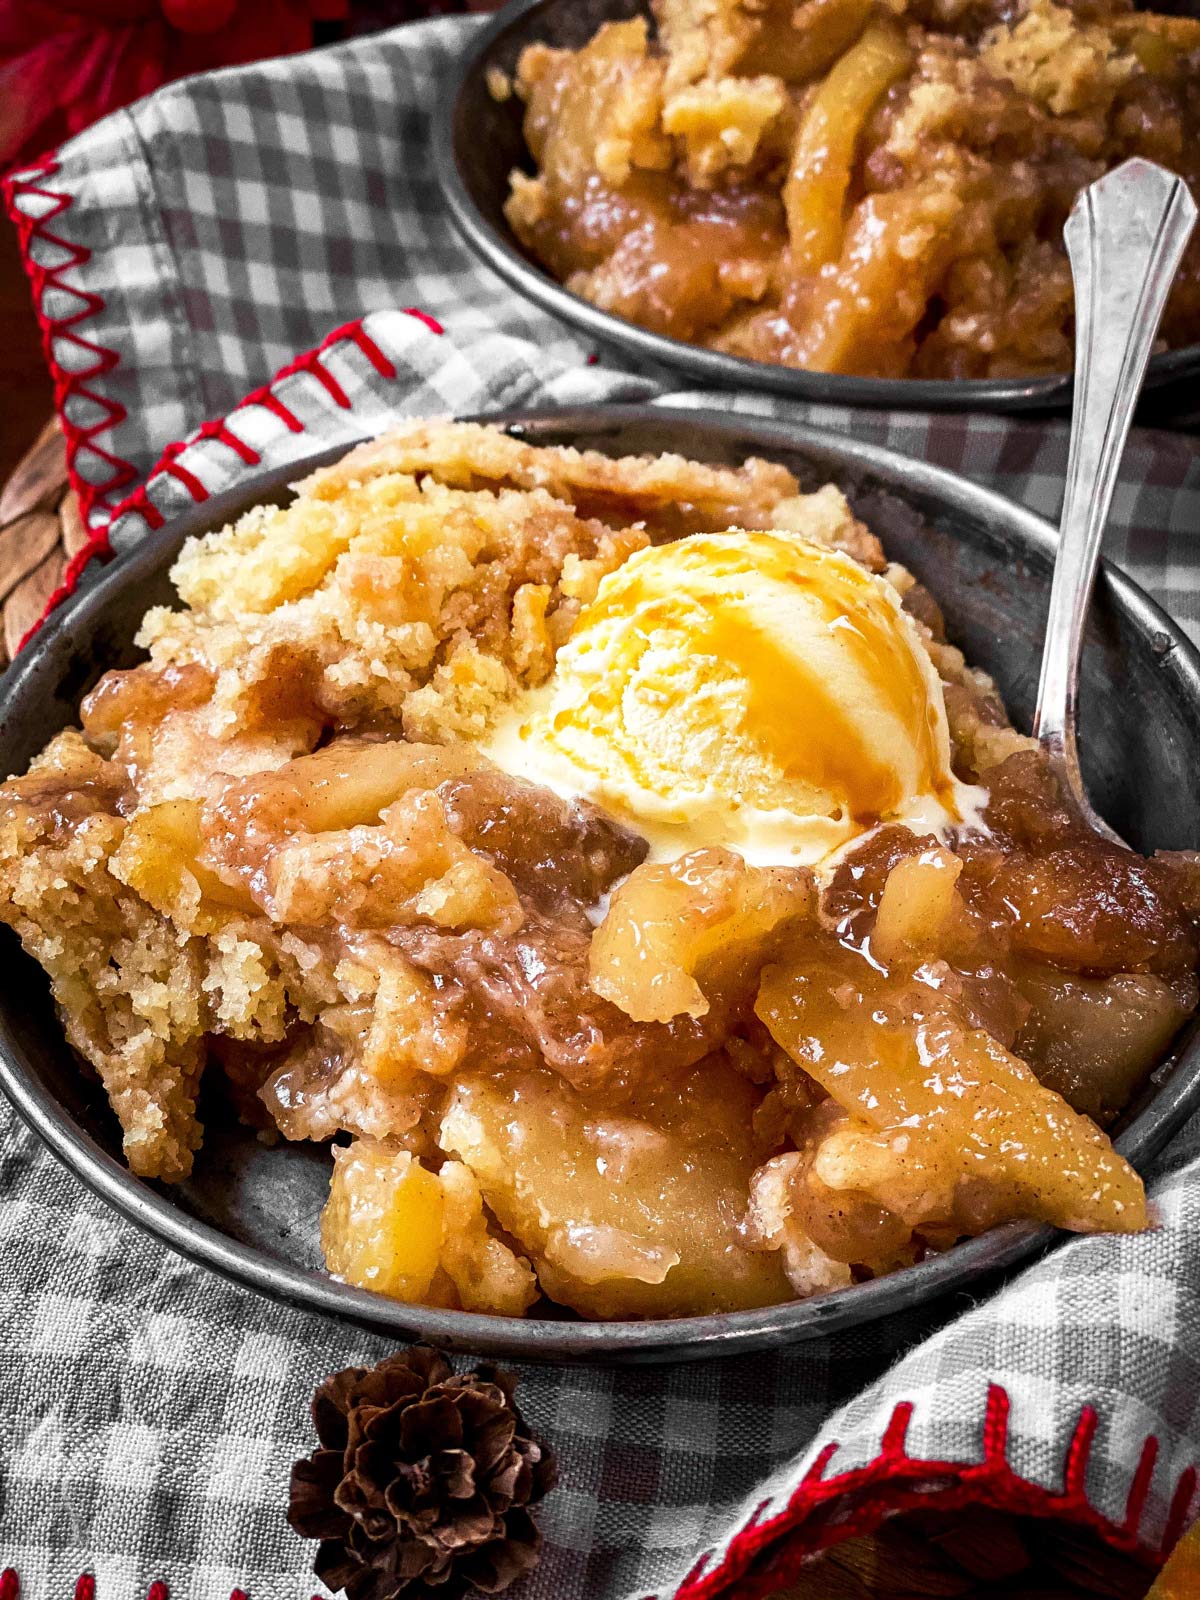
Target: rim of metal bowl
<point>452,124</point>
<point>672,1339</point>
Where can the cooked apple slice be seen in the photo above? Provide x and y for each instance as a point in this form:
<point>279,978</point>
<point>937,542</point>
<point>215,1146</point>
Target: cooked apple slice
<point>959,1114</point>
<point>675,931</point>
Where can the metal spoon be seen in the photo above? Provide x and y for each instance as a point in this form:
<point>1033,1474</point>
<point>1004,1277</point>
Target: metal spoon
<point>1125,236</point>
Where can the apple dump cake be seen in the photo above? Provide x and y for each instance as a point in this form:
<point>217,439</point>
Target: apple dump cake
<point>860,186</point>
<point>614,860</point>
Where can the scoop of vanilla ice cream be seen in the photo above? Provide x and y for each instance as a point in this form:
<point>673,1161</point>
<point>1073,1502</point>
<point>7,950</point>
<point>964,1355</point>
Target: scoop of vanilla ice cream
<point>750,689</point>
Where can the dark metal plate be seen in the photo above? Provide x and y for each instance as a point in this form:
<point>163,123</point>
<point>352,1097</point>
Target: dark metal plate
<point>251,1212</point>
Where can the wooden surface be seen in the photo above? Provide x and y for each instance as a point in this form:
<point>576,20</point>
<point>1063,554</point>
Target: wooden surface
<point>971,1555</point>
<point>26,393</point>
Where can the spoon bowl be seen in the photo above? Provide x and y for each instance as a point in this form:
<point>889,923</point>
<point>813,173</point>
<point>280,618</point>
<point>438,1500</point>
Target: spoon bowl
<point>1125,238</point>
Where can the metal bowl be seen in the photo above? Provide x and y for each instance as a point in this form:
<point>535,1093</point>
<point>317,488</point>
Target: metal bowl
<point>251,1212</point>
<point>477,142</point>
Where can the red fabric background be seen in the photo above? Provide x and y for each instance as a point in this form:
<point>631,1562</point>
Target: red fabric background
<point>65,63</point>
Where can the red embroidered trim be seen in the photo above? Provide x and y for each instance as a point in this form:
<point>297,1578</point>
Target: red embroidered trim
<point>34,183</point>
<point>892,1482</point>
<point>220,430</point>
<point>816,1517</point>
<point>1181,1501</point>
<point>310,362</point>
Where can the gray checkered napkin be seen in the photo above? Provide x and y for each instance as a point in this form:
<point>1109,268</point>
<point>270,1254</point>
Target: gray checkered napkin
<point>180,253</point>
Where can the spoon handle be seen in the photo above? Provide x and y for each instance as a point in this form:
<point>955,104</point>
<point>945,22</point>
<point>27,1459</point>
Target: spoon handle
<point>1125,236</point>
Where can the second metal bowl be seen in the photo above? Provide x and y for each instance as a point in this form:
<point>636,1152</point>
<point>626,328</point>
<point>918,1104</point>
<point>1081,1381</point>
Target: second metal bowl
<point>477,141</point>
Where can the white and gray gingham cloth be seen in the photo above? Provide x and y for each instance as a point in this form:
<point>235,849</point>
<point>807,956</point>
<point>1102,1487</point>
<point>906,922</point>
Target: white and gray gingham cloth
<point>180,254</point>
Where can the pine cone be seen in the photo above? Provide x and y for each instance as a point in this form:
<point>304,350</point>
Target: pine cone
<point>422,1482</point>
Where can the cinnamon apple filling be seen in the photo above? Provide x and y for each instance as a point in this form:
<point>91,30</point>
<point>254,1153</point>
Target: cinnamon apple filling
<point>614,860</point>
